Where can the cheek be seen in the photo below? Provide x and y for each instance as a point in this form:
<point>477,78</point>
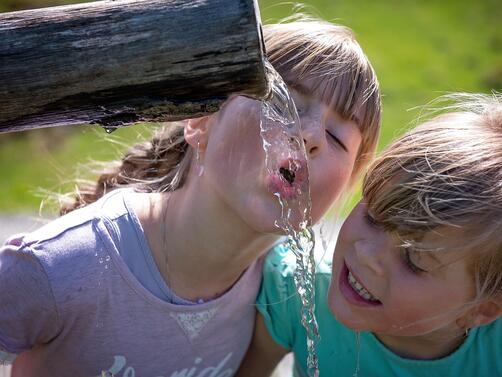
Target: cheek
<point>419,307</point>
<point>326,185</point>
<point>236,147</point>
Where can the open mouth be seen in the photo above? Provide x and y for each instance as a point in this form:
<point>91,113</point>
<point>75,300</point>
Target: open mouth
<point>354,291</point>
<point>293,171</point>
<point>288,175</point>
<point>363,292</point>
<point>289,179</point>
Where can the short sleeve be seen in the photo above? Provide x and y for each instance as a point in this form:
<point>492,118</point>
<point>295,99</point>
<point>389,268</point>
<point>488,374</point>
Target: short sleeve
<point>28,314</point>
<point>278,300</point>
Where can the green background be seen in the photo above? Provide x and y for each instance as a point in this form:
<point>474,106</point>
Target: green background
<point>419,49</point>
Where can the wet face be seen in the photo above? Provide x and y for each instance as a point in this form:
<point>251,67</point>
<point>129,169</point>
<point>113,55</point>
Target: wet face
<point>234,159</point>
<point>379,286</point>
<point>234,163</point>
<point>332,144</point>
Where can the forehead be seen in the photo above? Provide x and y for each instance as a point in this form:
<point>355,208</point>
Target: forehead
<point>334,95</point>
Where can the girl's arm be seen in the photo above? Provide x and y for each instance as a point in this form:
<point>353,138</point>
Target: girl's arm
<point>263,354</point>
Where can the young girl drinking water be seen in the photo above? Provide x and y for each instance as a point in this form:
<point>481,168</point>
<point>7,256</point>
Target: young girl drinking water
<point>157,273</point>
<point>415,285</point>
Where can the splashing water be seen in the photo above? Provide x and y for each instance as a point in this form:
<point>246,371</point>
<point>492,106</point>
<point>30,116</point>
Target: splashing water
<point>287,165</point>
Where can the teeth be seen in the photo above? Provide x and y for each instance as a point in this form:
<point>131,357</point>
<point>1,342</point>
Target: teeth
<point>360,289</point>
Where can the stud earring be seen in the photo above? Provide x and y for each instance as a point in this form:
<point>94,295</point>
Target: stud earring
<point>467,332</point>
<point>198,163</point>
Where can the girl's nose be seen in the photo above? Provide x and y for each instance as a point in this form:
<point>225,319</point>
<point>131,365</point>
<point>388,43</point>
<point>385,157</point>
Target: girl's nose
<point>312,136</point>
<point>371,255</point>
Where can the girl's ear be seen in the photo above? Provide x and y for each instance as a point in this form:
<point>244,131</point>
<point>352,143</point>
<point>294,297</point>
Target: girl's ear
<point>196,131</point>
<point>486,312</point>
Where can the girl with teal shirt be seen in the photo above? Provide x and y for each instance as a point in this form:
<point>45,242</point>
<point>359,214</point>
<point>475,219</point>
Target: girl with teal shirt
<point>415,285</point>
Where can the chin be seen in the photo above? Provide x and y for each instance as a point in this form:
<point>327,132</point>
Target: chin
<point>271,228</point>
<point>340,310</point>
<point>332,304</point>
<point>264,223</point>
<point>267,228</point>
<point>346,319</point>
<point>266,217</point>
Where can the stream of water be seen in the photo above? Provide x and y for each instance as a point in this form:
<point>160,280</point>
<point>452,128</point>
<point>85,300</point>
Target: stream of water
<point>286,160</point>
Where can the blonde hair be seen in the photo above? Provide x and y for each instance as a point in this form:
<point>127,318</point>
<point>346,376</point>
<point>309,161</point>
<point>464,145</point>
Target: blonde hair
<point>343,77</point>
<point>303,49</point>
<point>447,172</point>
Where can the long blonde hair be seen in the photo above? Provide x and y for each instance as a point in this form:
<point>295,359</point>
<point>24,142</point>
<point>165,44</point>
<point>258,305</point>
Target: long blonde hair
<point>447,172</point>
<point>308,48</point>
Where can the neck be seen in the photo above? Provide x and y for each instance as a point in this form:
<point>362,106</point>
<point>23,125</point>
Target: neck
<point>200,249</point>
<point>435,345</point>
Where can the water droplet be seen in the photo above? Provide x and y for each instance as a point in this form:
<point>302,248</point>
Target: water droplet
<point>109,130</point>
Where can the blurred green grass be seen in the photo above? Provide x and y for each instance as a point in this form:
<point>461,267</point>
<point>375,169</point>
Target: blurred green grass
<point>420,49</point>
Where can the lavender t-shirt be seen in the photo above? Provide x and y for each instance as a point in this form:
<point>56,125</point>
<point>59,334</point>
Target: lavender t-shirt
<point>70,306</point>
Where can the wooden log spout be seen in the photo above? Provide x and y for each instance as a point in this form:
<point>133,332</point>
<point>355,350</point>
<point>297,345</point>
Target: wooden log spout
<point>118,62</point>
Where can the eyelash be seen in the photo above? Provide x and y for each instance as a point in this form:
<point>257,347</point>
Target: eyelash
<point>409,263</point>
<point>370,220</point>
<point>406,251</point>
<point>301,111</point>
<point>336,140</point>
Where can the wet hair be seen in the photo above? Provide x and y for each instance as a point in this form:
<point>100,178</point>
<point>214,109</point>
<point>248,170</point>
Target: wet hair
<point>447,172</point>
<point>308,48</point>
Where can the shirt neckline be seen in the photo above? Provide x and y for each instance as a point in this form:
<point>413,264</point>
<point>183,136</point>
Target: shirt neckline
<point>134,283</point>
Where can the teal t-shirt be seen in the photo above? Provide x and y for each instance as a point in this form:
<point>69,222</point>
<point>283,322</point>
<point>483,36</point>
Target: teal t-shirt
<point>339,350</point>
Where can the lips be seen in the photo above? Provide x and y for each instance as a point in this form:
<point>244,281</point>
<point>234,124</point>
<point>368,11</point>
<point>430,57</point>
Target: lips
<point>353,291</point>
<point>289,179</point>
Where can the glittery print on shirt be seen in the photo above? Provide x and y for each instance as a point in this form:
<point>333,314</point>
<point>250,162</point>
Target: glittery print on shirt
<point>192,323</point>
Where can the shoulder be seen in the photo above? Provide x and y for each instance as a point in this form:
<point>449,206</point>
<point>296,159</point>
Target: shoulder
<point>279,260</point>
<point>280,304</point>
<point>489,339</point>
<point>278,282</point>
<point>281,264</point>
<point>69,248</point>
<point>78,230</point>
<point>62,237</point>
<point>52,255</point>
<point>278,273</point>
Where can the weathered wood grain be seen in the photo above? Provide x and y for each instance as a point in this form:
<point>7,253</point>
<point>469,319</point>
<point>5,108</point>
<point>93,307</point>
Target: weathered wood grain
<point>124,61</point>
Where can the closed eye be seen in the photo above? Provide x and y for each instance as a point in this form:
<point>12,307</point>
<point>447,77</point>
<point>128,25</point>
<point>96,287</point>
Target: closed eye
<point>333,137</point>
<point>371,220</point>
<point>409,262</point>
